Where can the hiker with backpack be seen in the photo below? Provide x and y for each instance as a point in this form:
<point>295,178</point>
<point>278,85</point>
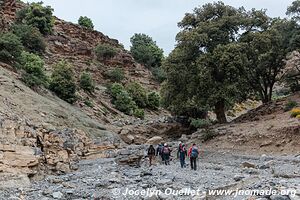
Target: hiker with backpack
<point>159,151</point>
<point>193,154</point>
<point>181,154</point>
<point>151,154</point>
<point>166,152</point>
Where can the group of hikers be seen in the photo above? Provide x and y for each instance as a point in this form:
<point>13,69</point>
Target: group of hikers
<point>164,151</point>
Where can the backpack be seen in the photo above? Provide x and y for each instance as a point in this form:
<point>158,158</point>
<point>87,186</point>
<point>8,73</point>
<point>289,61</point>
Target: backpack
<point>151,151</point>
<point>194,153</point>
<point>166,150</point>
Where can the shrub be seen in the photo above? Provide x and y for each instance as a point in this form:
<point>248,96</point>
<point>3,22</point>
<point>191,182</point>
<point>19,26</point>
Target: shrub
<point>153,100</point>
<point>138,94</point>
<point>86,22</point>
<point>200,123</point>
<point>295,112</point>
<point>115,89</point>
<point>124,103</point>
<point>145,51</point>
<point>34,69</point>
<point>88,103</point>
<point>87,83</point>
<point>63,83</point>
<point>139,113</point>
<point>105,51</point>
<point>10,47</point>
<point>158,74</point>
<point>31,38</point>
<point>116,75</point>
<point>298,116</point>
<point>208,135</point>
<point>36,15</point>
<point>290,105</point>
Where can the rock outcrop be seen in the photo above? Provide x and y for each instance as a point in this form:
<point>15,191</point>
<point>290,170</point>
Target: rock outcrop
<point>27,150</point>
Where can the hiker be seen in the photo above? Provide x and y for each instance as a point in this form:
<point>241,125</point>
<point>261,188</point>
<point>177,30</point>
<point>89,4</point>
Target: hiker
<point>166,152</point>
<point>159,151</point>
<point>193,154</point>
<point>181,154</point>
<point>151,154</point>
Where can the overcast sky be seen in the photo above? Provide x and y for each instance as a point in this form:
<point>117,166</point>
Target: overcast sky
<point>120,19</point>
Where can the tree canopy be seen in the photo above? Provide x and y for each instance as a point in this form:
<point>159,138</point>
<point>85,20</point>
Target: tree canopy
<point>225,55</point>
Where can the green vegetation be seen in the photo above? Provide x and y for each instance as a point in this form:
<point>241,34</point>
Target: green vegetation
<point>62,82</point>
<point>10,48</point>
<point>116,75</point>
<point>145,51</point>
<point>153,101</point>
<point>290,105</point>
<point>30,37</point>
<point>105,51</point>
<point>36,15</point>
<point>86,22</point>
<point>124,103</point>
<point>138,94</point>
<point>132,99</point>
<point>225,55</point>
<point>88,103</point>
<point>200,123</point>
<point>33,66</point>
<point>87,83</point>
<point>115,89</point>
<point>139,113</point>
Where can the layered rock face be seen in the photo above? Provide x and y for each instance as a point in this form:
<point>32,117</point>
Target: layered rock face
<point>27,150</point>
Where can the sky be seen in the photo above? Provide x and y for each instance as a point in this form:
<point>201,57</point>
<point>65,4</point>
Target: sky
<point>120,19</point>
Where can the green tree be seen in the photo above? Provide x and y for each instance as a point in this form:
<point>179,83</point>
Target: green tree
<point>124,103</point>
<point>199,70</point>
<point>86,22</point>
<point>36,15</point>
<point>105,51</point>
<point>116,75</point>
<point>62,82</point>
<point>266,51</point>
<point>87,83</point>
<point>10,48</point>
<point>145,51</point>
<point>31,38</point>
<point>138,94</point>
<point>153,100</point>
<point>294,10</point>
<point>34,69</point>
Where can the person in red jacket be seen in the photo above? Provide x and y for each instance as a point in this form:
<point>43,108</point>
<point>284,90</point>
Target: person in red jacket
<point>193,154</point>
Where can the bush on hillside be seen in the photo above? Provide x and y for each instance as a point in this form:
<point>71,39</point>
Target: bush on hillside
<point>290,105</point>
<point>116,75</point>
<point>87,83</point>
<point>115,89</point>
<point>138,94</point>
<point>124,103</point>
<point>30,37</point>
<point>86,22</point>
<point>153,101</point>
<point>33,66</point>
<point>105,51</point>
<point>63,83</point>
<point>10,48</point>
<point>200,123</point>
<point>36,15</point>
<point>158,74</point>
<point>139,113</point>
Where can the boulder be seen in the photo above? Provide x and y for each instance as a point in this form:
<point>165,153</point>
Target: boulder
<point>155,140</point>
<point>248,165</point>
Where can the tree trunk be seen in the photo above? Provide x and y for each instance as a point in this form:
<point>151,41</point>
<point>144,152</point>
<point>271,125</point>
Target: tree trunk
<point>220,111</point>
